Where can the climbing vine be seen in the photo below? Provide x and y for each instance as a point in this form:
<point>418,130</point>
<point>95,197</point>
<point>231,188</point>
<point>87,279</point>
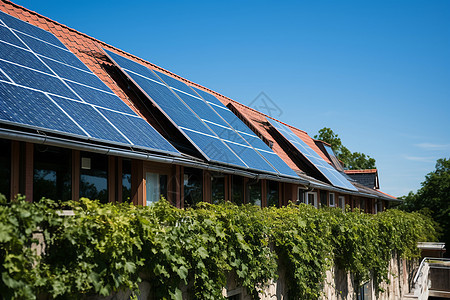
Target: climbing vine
<point>103,248</point>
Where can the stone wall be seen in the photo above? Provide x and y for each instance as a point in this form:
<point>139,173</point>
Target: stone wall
<point>338,285</point>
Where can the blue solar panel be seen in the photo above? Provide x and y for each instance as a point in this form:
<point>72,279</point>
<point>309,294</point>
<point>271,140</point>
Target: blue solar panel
<point>36,80</point>
<point>30,108</point>
<point>60,54</point>
<point>9,37</point>
<point>3,77</point>
<point>236,131</point>
<point>326,169</point>
<point>138,131</point>
<point>100,98</point>
<point>21,56</point>
<point>91,121</point>
<point>183,117</point>
<point>208,97</point>
<point>38,91</point>
<point>172,82</point>
<point>37,32</point>
<point>83,77</point>
<point>219,126</point>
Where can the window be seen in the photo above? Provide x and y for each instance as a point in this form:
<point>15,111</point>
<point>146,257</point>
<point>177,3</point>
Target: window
<point>193,186</point>
<point>301,196</point>
<point>5,168</point>
<point>378,206</point>
<point>323,199</point>
<point>311,198</point>
<point>52,174</point>
<point>364,292</point>
<point>254,193</point>
<point>272,194</point>
<point>126,180</point>
<point>331,200</point>
<point>217,188</point>
<point>155,187</point>
<point>237,189</point>
<point>342,202</point>
<point>362,204</point>
<point>94,176</point>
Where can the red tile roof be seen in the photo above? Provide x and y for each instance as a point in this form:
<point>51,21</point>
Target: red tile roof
<point>366,171</point>
<point>386,194</point>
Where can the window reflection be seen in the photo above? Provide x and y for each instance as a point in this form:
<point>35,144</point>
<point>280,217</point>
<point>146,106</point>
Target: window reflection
<point>94,176</point>
<point>155,187</point>
<point>254,193</point>
<point>193,185</point>
<point>217,188</point>
<point>272,194</point>
<point>237,189</point>
<point>126,180</point>
<point>52,176</point>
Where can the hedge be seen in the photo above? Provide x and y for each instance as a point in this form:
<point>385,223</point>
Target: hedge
<point>104,248</point>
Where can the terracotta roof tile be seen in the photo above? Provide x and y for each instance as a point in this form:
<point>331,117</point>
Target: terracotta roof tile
<point>366,171</point>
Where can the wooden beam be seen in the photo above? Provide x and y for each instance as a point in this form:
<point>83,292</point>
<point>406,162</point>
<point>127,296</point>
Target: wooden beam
<point>119,180</point>
<point>137,182</point>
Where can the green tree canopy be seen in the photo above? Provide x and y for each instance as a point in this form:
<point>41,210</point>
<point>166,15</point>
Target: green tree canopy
<point>350,160</point>
<point>434,198</point>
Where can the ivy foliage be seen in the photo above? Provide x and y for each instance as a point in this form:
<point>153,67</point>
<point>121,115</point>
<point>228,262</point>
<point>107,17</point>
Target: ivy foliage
<point>103,248</point>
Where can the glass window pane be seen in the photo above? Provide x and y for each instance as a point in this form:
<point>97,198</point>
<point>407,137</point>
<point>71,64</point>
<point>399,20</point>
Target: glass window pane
<point>152,187</point>
<point>52,176</point>
<point>5,168</point>
<point>217,188</point>
<point>163,186</point>
<point>323,199</point>
<point>94,176</point>
<point>254,193</point>
<point>126,180</point>
<point>193,186</point>
<point>237,187</point>
<point>272,194</point>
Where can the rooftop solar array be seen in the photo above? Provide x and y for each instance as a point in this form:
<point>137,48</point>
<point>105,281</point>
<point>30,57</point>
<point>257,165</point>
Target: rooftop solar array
<point>334,159</point>
<point>196,119</point>
<point>335,178</point>
<point>246,133</point>
<point>45,86</point>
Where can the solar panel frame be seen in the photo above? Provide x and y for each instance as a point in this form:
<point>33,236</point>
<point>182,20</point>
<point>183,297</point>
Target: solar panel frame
<point>246,134</point>
<point>335,178</point>
<point>151,85</point>
<point>28,73</point>
<point>204,110</point>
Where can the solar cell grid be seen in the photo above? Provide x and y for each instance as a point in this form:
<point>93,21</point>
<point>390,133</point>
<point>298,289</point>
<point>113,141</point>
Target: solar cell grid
<point>24,27</point>
<point>38,85</point>
<point>220,127</point>
<point>245,134</point>
<point>177,111</point>
<point>326,169</point>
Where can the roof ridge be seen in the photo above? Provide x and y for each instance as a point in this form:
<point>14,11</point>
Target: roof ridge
<point>142,60</point>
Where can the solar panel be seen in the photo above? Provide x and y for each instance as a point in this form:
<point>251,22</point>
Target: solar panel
<point>181,115</point>
<point>45,86</point>
<point>235,127</point>
<point>335,178</point>
<point>334,159</point>
<point>221,128</point>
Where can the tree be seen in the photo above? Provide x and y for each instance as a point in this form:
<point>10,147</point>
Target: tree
<point>434,198</point>
<point>350,160</point>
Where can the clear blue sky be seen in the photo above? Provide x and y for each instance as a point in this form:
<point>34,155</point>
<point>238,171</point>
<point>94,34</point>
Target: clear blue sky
<point>376,72</point>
